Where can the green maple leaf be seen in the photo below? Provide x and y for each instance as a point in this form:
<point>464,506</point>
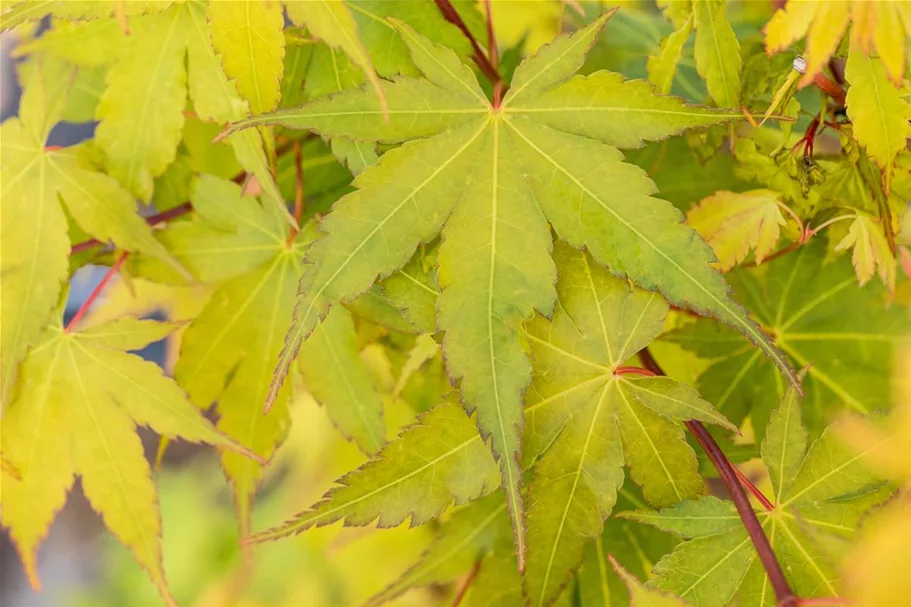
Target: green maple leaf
<point>603,421</point>
<point>34,243</point>
<point>636,547</point>
<point>245,249</point>
<point>818,316</point>
<point>493,180</point>
<point>438,460</point>
<point>77,402</point>
<point>141,110</point>
<point>820,492</point>
<point>469,535</point>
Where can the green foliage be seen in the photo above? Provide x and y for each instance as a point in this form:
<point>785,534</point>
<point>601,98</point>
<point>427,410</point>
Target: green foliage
<point>420,263</point>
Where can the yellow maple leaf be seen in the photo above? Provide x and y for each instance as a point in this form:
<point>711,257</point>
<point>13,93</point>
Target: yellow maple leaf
<point>734,223</point>
<point>881,26</point>
<point>871,251</point>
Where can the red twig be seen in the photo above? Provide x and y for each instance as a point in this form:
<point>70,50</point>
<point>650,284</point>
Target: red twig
<point>98,290</point>
<point>759,495</point>
<point>466,584</point>
<point>830,88</point>
<point>298,190</point>
<point>153,220</point>
<point>784,596</point>
<point>481,60</point>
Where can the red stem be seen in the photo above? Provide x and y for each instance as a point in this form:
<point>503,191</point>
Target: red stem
<point>98,290</point>
<point>785,597</point>
<point>153,220</point>
<point>830,88</point>
<point>481,60</point>
<point>759,495</point>
<point>463,588</point>
<point>298,183</point>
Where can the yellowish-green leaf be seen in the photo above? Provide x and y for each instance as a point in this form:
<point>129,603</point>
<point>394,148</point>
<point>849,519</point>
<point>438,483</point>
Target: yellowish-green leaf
<point>33,233</point>
<point>78,401</point>
<point>717,52</point>
<point>662,67</point>
<point>336,377</point>
<point>141,110</point>
<point>438,460</point>
<point>331,22</point>
<point>883,25</point>
<point>871,254</point>
<point>605,421</point>
<point>879,112</point>
<point>642,596</point>
<point>734,223</point>
<point>248,36</point>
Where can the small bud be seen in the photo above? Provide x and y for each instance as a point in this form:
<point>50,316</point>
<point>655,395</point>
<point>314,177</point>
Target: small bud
<point>800,64</point>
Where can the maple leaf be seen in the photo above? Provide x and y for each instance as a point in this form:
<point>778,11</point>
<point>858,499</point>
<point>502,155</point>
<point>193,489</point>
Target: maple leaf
<point>871,251</point>
<point>248,36</point>
<point>637,547</point>
<point>332,22</point>
<point>141,109</point>
<point>880,113</point>
<point>717,52</point>
<point>846,333</point>
<point>733,223</point>
<point>607,420</point>
<point>469,535</point>
<point>643,596</point>
<point>882,25</point>
<point>33,236</point>
<point>438,460</point>
<point>819,492</point>
<point>244,248</point>
<point>77,402</point>
<point>493,180</point>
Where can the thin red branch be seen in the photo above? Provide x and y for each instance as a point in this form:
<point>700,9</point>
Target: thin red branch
<point>153,220</point>
<point>830,88</point>
<point>96,292</point>
<point>784,596</point>
<point>298,190</point>
<point>759,495</point>
<point>466,584</point>
<point>481,60</point>
<point>492,52</point>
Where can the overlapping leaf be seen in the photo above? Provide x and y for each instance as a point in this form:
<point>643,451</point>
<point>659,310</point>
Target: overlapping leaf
<point>33,233</point>
<point>733,223</point>
<point>492,179</point>
<point>433,463</point>
<point>603,420</point>
<point>75,411</point>
<point>818,316</point>
<point>246,251</point>
<point>820,493</point>
<point>882,26</point>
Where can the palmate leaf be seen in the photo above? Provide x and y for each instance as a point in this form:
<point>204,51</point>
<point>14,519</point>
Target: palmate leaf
<point>879,111</point>
<point>733,223</point>
<point>33,234</point>
<point>604,420</point>
<point>141,108</point>
<point>492,179</point>
<point>433,463</point>
<point>244,249</point>
<point>467,537</point>
<point>819,493</point>
<point>78,400</point>
<point>882,26</point>
<point>819,316</point>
